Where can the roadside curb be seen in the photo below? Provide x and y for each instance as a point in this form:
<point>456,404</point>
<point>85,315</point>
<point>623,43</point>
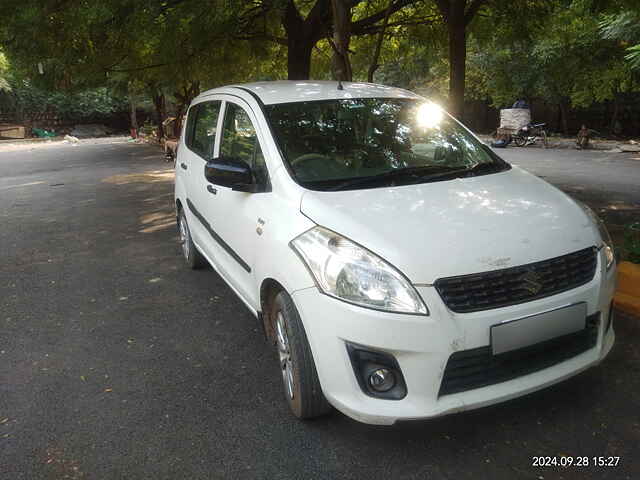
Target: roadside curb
<point>627,296</point>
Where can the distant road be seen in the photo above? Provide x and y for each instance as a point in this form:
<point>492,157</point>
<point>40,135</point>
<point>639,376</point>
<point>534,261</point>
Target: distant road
<point>608,182</point>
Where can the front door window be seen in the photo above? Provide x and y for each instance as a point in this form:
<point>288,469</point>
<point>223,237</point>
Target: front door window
<point>240,141</point>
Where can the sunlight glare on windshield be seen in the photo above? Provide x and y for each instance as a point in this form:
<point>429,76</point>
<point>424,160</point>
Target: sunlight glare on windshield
<point>429,115</point>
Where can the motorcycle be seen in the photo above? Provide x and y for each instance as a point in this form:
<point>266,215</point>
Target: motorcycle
<point>529,134</point>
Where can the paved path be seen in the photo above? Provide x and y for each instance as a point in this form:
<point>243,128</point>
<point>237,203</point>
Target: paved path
<point>117,363</point>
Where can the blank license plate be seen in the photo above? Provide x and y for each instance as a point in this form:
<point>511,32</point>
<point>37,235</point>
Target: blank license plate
<point>538,328</point>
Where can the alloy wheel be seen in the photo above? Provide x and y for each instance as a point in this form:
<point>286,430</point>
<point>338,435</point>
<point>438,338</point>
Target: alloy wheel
<point>284,351</point>
<point>184,237</point>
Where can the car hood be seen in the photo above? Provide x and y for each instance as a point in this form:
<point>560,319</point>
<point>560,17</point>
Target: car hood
<point>457,227</point>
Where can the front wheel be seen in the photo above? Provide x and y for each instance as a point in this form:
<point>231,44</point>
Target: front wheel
<point>299,376</point>
<point>519,140</point>
<point>192,256</point>
<point>545,140</point>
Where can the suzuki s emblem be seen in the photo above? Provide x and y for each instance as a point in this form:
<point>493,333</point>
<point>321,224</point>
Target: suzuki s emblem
<point>531,282</point>
<point>260,225</point>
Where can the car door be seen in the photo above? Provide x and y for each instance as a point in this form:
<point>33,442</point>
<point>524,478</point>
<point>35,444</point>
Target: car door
<point>235,217</point>
<point>200,137</point>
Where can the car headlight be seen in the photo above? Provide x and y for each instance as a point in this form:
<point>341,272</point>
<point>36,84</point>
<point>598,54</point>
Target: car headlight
<point>607,243</point>
<point>349,272</point>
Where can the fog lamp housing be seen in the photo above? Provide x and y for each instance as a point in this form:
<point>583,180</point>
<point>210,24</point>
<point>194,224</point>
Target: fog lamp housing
<point>377,373</point>
<point>382,380</point>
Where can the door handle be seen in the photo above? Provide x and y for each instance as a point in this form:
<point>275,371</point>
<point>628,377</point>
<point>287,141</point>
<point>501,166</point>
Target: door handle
<point>183,165</point>
<point>211,189</point>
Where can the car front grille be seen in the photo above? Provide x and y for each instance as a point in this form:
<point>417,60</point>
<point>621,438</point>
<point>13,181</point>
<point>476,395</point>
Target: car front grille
<point>469,369</point>
<point>510,286</point>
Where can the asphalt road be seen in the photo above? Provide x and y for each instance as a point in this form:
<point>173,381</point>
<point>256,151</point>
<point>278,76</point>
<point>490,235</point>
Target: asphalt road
<point>608,182</point>
<point>118,363</point>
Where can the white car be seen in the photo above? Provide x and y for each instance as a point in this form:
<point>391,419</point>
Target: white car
<point>400,267</point>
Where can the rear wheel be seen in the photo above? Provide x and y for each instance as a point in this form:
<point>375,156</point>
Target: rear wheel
<point>191,255</point>
<point>299,376</point>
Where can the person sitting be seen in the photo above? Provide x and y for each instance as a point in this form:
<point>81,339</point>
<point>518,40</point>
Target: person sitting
<point>584,135</point>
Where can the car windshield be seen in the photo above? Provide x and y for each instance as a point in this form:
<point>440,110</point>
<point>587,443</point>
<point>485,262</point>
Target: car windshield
<point>369,142</point>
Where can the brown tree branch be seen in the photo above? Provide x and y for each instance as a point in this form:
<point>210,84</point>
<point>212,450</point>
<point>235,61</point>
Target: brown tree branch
<point>137,69</point>
<point>376,53</point>
<point>371,20</point>
<point>400,23</point>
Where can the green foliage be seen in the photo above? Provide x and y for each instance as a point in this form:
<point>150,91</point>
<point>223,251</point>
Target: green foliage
<point>632,242</point>
<point>633,57</point>
<point>29,103</point>
<point>564,59</point>
<point>4,74</point>
<point>501,73</point>
<point>569,52</point>
<point>625,27</point>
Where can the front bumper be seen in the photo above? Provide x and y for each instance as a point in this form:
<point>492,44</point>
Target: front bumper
<point>422,346</point>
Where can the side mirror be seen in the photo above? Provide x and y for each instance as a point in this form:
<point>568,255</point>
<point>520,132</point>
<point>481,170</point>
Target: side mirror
<point>230,172</point>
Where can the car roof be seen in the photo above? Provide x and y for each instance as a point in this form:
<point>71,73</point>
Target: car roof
<point>287,91</point>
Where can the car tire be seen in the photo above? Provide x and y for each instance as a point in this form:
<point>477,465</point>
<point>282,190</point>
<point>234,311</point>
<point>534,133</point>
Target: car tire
<point>299,376</point>
<point>192,256</point>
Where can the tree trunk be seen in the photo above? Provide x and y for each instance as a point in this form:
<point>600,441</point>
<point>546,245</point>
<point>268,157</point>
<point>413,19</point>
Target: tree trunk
<point>185,96</point>
<point>457,14</point>
<point>614,117</point>
<point>376,54</point>
<point>303,34</point>
<point>133,116</point>
<point>563,117</point>
<point>184,100</point>
<point>341,40</point>
<point>161,111</point>
<point>457,60</point>
<point>299,58</point>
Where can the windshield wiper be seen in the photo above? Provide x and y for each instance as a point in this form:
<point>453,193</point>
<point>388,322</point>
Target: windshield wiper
<point>486,167</point>
<point>425,173</point>
<point>416,172</point>
<point>478,168</point>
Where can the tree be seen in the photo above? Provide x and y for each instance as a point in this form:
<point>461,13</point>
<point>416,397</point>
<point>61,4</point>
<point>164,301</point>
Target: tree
<point>342,20</point>
<point>302,34</point>
<point>558,57</point>
<point>166,46</point>
<point>302,24</point>
<point>375,58</point>
<point>457,15</point>
<point>168,51</point>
